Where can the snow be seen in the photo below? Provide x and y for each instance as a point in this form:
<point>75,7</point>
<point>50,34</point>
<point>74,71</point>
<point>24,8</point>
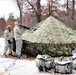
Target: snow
<point>7,7</point>
<point>1,45</point>
<point>12,66</point>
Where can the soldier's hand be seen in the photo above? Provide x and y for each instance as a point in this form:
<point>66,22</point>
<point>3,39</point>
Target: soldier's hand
<point>9,41</point>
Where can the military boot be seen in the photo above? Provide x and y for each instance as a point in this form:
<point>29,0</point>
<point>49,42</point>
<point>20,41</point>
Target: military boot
<point>17,56</point>
<point>5,56</point>
<point>10,54</point>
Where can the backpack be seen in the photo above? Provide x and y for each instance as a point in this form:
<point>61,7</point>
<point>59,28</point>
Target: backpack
<point>73,59</point>
<point>44,62</point>
<point>64,67</point>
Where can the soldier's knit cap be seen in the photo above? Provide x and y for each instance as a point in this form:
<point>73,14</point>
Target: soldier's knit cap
<point>8,26</point>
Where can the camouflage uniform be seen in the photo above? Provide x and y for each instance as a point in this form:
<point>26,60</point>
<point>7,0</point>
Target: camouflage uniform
<point>18,38</point>
<point>8,41</point>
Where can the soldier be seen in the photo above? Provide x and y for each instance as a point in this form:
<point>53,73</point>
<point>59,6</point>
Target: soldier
<point>8,41</point>
<point>18,38</point>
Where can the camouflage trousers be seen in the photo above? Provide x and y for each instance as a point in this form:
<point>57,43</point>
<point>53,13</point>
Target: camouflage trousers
<point>18,47</point>
<point>8,46</point>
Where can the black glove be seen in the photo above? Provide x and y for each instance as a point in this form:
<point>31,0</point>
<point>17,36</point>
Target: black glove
<point>9,41</point>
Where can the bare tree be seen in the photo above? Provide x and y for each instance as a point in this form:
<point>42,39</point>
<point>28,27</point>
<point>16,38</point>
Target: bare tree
<point>36,9</point>
<point>67,6</point>
<point>2,26</point>
<point>20,6</point>
<point>73,8</point>
<point>50,5</point>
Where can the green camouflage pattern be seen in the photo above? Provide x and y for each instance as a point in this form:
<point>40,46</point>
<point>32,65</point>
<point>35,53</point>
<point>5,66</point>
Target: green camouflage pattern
<point>51,37</point>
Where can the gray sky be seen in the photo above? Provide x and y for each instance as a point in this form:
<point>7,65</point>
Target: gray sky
<point>6,7</point>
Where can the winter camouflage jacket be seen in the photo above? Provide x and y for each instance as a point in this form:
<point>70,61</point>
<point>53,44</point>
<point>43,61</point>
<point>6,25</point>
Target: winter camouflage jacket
<point>8,35</point>
<point>18,33</point>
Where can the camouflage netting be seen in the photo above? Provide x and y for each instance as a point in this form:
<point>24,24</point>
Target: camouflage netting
<point>51,37</point>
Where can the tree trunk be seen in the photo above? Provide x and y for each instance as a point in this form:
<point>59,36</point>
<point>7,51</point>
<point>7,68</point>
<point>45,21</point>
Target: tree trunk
<point>21,17</point>
<point>38,11</point>
<point>20,9</point>
<point>73,5</point>
<point>67,7</point>
<point>51,6</point>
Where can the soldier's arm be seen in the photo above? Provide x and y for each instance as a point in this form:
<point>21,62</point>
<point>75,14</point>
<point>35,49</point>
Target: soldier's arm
<point>6,35</point>
<point>19,31</point>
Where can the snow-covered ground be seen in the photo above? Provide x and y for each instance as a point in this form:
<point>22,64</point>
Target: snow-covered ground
<point>10,66</point>
<point>1,45</point>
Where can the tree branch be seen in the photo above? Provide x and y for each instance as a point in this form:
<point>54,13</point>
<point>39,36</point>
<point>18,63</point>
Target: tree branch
<point>32,7</point>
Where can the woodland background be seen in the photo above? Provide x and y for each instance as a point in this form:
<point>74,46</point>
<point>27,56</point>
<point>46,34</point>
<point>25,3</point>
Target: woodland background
<point>32,12</point>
